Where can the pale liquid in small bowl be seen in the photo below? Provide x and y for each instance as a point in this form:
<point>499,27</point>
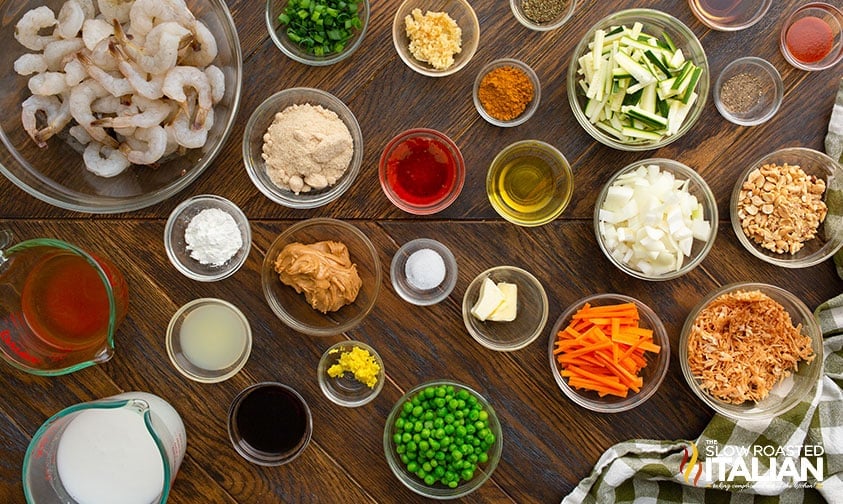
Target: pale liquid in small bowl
<point>212,337</point>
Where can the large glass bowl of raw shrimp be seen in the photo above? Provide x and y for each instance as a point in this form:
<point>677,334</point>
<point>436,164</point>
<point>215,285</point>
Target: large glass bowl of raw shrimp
<point>108,117</point>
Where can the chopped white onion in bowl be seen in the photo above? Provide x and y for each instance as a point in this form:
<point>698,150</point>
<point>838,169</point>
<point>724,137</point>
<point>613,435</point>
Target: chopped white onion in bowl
<point>649,219</point>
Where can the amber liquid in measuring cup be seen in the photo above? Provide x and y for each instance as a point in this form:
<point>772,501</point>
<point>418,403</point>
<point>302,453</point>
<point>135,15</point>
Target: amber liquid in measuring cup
<point>59,307</point>
<point>65,302</point>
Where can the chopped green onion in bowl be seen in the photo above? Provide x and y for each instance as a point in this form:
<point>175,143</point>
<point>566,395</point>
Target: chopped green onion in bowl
<point>321,27</point>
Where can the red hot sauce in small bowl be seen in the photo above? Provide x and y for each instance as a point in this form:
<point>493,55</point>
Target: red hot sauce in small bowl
<point>809,39</point>
<point>422,171</point>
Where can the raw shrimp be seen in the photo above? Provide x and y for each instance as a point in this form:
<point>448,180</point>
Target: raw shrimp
<point>117,86</point>
<point>57,114</point>
<point>188,136</point>
<point>203,50</point>
<point>70,19</point>
<point>161,48</point>
<point>182,77</point>
<point>103,160</point>
<point>150,113</point>
<point>145,14</point>
<point>79,134</point>
<point>81,98</point>
<point>95,31</point>
<point>113,105</point>
<point>48,83</point>
<point>102,56</point>
<point>28,28</point>
<point>116,9</point>
<point>88,8</point>
<point>147,147</point>
<point>172,143</point>
<point>216,78</point>
<point>74,73</point>
<point>56,53</point>
<point>30,63</point>
<point>146,87</point>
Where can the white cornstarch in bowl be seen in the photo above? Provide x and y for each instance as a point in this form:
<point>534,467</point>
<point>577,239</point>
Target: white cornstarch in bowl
<point>213,237</point>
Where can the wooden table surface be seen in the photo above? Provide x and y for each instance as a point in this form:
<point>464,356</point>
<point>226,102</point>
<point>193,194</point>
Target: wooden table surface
<point>549,442</point>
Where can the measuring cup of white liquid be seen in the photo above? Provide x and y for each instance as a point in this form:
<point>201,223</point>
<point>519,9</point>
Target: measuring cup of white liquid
<point>122,449</point>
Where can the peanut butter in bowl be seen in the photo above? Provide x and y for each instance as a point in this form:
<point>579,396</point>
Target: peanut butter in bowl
<point>323,271</point>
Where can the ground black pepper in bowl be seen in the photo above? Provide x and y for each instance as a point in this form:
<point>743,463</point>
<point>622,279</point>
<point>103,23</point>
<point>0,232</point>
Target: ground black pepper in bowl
<point>741,92</point>
<point>748,91</point>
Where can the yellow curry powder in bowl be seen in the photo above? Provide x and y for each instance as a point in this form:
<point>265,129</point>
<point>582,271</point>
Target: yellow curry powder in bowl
<point>506,92</point>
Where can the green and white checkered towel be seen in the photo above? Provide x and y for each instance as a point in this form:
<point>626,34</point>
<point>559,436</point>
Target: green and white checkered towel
<point>806,442</point>
<point>733,461</point>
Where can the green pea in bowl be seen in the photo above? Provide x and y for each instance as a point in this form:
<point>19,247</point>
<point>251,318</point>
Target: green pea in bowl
<point>442,440</point>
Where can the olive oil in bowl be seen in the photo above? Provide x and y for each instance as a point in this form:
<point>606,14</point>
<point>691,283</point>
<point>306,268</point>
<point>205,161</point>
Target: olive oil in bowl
<point>529,183</point>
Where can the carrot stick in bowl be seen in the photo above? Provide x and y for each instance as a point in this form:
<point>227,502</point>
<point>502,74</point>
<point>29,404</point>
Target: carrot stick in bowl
<point>602,349</point>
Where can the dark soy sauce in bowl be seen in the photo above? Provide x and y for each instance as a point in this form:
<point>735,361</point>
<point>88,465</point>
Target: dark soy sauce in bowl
<point>269,424</point>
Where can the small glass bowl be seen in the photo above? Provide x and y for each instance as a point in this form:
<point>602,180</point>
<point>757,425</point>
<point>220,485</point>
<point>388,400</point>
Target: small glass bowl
<point>787,393</point>
<point>828,13</point>
<point>696,186</point>
<point>531,107</point>
<point>512,187</point>
<point>460,11</point>
<point>174,242</point>
<point>292,308</point>
<point>183,355</point>
<point>655,23</point>
<point>770,86</point>
<point>444,147</point>
<point>278,34</point>
<point>652,374</point>
<point>260,121</point>
<point>738,16</point>
<point>562,16</point>
<point>283,406</point>
<point>531,314</point>
<point>827,242</point>
<point>439,491</point>
<point>406,289</point>
<point>346,390</point>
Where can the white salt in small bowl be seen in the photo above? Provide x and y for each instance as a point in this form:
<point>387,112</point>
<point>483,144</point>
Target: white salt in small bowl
<point>177,247</point>
<point>423,272</point>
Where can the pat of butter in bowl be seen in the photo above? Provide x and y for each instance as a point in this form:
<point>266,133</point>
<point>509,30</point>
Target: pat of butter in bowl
<point>497,302</point>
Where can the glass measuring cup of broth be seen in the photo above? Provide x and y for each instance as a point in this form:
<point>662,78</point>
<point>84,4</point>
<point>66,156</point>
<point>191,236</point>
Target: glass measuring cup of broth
<point>59,306</point>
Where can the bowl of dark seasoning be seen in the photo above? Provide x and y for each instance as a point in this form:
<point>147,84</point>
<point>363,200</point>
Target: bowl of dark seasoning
<point>542,15</point>
<point>748,91</point>
<point>423,272</point>
<point>506,92</point>
<point>207,238</point>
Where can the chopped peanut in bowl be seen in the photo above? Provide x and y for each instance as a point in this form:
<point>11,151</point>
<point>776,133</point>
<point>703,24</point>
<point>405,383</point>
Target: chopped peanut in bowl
<point>780,207</point>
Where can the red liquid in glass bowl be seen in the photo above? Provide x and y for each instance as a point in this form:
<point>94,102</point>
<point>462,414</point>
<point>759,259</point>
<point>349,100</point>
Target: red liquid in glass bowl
<point>422,171</point>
